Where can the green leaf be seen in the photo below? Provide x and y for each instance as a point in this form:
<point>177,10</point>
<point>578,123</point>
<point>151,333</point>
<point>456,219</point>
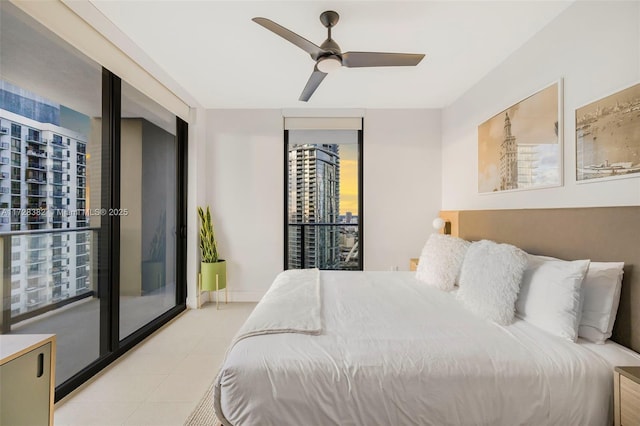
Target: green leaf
<point>208,246</point>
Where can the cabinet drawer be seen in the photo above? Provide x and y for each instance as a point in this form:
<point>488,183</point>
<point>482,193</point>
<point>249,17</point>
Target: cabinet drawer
<point>629,402</point>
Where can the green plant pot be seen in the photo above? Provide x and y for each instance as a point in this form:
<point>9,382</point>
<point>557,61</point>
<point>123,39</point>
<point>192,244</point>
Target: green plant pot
<point>209,272</point>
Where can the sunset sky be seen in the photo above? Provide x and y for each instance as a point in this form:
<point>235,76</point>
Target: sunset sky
<point>349,178</point>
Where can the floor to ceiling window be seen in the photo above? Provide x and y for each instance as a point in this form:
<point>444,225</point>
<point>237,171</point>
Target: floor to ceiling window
<point>323,187</point>
<point>147,211</point>
<point>50,124</point>
<point>90,247</point>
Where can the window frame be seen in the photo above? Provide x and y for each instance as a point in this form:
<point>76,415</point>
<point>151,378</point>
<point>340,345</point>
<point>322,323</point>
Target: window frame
<point>360,198</point>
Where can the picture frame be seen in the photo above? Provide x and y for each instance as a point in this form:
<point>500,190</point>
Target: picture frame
<point>608,137</point>
<point>521,147</point>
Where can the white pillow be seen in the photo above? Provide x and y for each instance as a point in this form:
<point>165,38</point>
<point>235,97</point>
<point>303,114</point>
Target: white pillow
<point>601,289</point>
<point>490,280</point>
<point>441,260</point>
<point>550,296</point>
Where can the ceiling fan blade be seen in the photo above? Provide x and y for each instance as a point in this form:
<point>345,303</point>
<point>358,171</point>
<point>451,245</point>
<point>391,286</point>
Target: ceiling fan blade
<point>313,83</point>
<point>377,59</point>
<point>290,36</point>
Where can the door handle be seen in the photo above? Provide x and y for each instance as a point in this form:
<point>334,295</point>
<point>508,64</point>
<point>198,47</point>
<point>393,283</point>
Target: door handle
<point>40,365</point>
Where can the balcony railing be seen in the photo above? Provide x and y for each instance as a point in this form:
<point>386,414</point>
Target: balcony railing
<point>35,139</point>
<point>43,280</point>
<point>37,219</point>
<point>4,130</point>
<point>36,166</point>
<point>36,181</point>
<point>36,153</point>
<point>4,145</point>
<point>333,246</point>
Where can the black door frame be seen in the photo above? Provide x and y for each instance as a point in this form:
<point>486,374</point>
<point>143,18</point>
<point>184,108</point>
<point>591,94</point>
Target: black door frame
<point>111,347</point>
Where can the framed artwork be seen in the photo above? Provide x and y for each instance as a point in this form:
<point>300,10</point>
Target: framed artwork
<point>521,147</point>
<point>608,137</point>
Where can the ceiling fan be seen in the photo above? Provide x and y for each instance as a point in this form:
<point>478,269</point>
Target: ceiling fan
<point>329,57</point>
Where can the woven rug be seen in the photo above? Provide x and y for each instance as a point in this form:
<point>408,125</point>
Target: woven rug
<point>203,414</point>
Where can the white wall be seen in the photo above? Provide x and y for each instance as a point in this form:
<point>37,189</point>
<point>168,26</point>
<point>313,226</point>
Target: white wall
<point>241,178</point>
<point>402,181</point>
<point>239,172</point>
<point>595,47</point>
<point>197,177</point>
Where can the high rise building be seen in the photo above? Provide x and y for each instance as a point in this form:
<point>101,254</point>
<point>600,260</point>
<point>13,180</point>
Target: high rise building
<point>314,201</point>
<point>528,159</point>
<point>348,217</point>
<point>508,158</point>
<point>43,187</point>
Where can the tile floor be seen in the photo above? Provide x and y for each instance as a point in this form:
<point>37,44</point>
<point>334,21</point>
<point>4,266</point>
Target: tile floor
<point>161,381</point>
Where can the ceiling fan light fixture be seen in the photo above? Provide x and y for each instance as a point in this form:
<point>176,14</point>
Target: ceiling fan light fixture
<point>329,64</point>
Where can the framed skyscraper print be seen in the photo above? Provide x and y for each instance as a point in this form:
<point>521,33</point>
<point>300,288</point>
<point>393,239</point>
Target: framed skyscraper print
<point>608,137</point>
<point>521,147</point>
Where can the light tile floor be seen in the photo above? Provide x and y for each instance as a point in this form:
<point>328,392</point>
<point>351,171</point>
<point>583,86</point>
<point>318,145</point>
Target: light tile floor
<point>161,381</point>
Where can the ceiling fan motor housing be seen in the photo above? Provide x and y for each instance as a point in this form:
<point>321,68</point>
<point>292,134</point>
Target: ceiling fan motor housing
<point>331,47</point>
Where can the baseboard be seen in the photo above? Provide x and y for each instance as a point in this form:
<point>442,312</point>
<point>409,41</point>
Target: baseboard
<point>233,296</point>
<point>242,296</point>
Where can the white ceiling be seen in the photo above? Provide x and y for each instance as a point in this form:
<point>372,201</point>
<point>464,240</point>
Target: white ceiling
<point>222,59</point>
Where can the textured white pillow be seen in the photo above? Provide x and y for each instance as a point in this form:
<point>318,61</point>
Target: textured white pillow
<point>441,260</point>
<point>601,288</point>
<point>550,296</point>
<point>490,280</point>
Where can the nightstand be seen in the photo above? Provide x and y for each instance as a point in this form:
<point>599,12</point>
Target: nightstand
<point>413,263</point>
<point>626,396</point>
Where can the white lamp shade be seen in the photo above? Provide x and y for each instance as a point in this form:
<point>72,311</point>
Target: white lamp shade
<point>329,64</point>
<point>438,223</point>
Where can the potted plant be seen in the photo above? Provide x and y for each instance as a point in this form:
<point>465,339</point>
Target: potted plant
<point>211,266</point>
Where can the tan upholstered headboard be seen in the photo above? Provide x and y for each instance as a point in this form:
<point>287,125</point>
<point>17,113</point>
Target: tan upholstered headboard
<point>599,233</point>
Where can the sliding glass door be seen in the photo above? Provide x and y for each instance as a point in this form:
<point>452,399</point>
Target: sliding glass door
<point>50,132</point>
<point>148,211</point>
<point>92,203</point>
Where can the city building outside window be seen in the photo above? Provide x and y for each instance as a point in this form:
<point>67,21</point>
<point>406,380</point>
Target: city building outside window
<point>323,212</point>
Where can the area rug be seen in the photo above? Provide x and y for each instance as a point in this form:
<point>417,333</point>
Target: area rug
<point>203,414</point>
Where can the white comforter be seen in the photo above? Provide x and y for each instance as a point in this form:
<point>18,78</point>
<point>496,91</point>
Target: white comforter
<point>395,352</point>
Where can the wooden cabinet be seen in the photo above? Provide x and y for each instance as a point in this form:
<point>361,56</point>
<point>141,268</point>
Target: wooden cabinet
<point>626,393</point>
<point>413,263</point>
<point>27,368</point>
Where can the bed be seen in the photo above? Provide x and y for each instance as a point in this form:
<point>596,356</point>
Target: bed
<point>379,348</point>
